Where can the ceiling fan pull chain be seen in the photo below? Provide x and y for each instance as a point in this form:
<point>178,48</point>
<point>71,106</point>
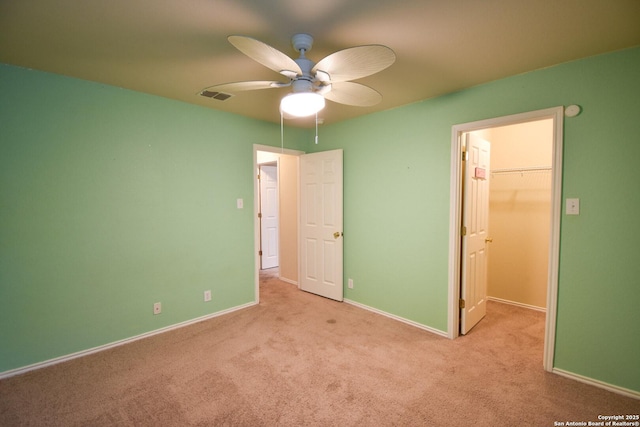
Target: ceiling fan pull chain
<point>316,128</point>
<point>282,131</point>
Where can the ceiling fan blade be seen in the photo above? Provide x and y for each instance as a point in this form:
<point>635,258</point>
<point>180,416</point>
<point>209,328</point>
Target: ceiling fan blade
<point>266,55</point>
<point>351,93</point>
<point>355,62</point>
<point>249,85</point>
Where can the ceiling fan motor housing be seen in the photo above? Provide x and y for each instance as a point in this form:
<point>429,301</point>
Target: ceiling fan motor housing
<point>305,82</point>
<point>302,85</point>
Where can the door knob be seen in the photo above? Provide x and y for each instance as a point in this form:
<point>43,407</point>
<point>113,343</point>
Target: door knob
<point>337,234</point>
<point>488,240</point>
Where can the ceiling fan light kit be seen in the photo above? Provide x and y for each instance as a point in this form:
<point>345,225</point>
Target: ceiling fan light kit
<point>311,82</point>
<point>302,104</point>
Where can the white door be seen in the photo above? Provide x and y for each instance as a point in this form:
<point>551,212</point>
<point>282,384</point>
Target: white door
<point>269,216</point>
<point>321,224</point>
<point>475,224</point>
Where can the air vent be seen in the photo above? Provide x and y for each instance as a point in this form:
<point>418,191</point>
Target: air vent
<point>220,96</point>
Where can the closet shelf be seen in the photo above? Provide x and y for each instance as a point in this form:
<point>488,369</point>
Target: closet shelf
<point>521,170</point>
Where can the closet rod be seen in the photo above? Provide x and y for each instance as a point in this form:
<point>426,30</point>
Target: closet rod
<point>521,170</point>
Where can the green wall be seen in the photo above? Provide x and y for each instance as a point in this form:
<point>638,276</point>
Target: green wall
<point>111,200</point>
<point>396,205</point>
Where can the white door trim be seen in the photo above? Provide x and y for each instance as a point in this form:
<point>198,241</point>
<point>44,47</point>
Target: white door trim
<point>256,207</point>
<point>555,113</point>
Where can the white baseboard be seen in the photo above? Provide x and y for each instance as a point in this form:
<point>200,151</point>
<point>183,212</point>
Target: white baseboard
<point>284,279</point>
<point>398,318</point>
<point>518,304</point>
<point>596,383</point>
<point>66,358</point>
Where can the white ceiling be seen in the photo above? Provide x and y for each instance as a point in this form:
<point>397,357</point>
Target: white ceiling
<point>176,48</point>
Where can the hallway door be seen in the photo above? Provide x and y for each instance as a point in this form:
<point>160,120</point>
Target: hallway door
<point>269,220</point>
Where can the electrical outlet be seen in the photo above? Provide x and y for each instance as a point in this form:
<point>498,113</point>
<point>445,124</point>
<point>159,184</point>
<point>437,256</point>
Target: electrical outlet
<point>350,283</point>
<point>157,308</point>
<point>207,295</point>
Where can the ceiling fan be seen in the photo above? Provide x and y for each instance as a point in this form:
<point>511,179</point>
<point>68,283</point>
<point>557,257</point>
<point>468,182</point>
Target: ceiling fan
<point>311,82</point>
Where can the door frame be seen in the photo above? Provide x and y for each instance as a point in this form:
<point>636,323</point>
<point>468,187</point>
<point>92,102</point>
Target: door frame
<point>256,207</point>
<point>557,114</point>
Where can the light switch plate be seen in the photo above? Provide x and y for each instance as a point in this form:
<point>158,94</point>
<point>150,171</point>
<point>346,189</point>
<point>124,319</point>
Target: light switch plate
<point>240,203</point>
<point>573,207</point>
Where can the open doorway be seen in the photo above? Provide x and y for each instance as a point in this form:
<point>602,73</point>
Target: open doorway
<point>286,170</point>
<point>310,211</point>
<point>456,229</point>
<point>506,223</point>
<point>519,213</point>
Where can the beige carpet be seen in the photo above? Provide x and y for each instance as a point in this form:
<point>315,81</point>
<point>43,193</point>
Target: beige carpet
<point>299,360</point>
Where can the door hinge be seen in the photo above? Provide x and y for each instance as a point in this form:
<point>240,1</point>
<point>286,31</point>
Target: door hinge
<point>464,156</point>
<point>464,230</point>
<point>260,253</point>
<point>462,303</point>
<point>258,177</point>
<point>259,214</point>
